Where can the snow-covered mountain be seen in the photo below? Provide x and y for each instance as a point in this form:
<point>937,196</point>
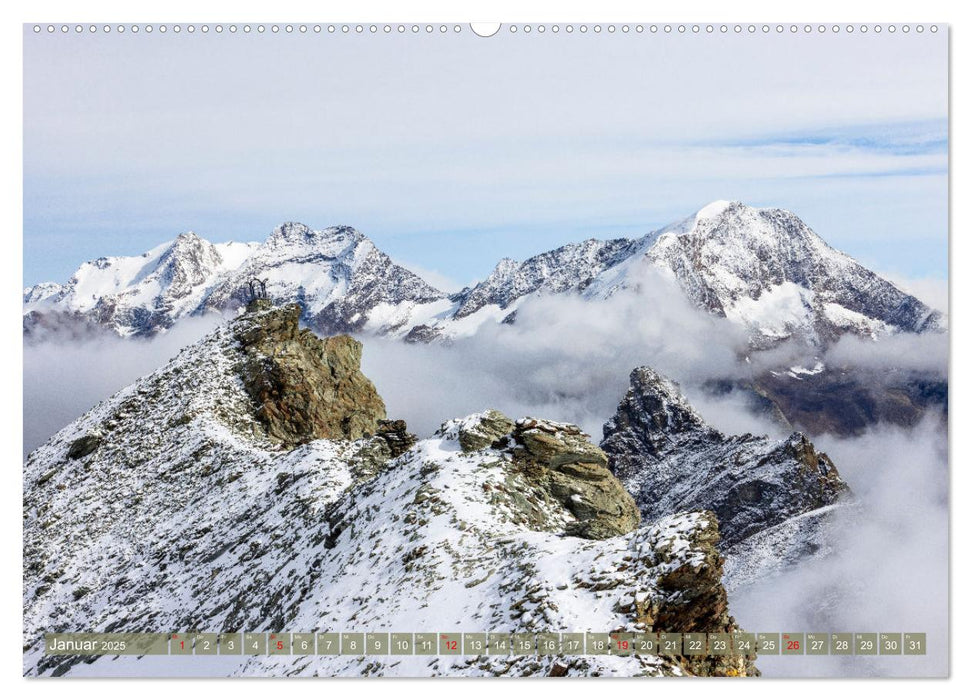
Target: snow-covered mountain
<point>763,269</point>
<point>252,483</point>
<point>768,271</point>
<point>337,275</point>
<point>339,278</point>
<point>137,295</point>
<point>568,268</point>
<point>671,460</point>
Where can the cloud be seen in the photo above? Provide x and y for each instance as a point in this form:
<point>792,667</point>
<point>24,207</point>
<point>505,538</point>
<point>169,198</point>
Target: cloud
<point>564,358</point>
<point>889,570</point>
<point>63,379</point>
<point>924,352</point>
<point>486,135</point>
<point>933,291</point>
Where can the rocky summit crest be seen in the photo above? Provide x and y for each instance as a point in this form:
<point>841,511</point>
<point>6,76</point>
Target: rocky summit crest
<point>671,460</point>
<point>303,387</point>
<point>171,506</point>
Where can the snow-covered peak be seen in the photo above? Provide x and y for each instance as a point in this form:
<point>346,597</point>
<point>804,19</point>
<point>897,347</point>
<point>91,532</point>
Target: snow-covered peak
<point>715,208</point>
<point>187,238</point>
<point>768,271</point>
<point>293,237</point>
<point>139,294</point>
<point>337,275</point>
<point>41,292</point>
<point>503,268</point>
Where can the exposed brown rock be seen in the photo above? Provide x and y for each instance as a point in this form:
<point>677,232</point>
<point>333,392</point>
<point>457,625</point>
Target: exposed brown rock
<point>694,600</point>
<point>303,387</point>
<point>566,468</point>
<point>491,426</point>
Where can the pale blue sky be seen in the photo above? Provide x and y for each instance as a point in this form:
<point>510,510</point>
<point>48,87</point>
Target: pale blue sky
<point>451,152</point>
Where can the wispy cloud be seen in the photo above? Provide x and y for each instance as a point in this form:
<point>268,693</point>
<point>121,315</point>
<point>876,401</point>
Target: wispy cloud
<point>894,138</point>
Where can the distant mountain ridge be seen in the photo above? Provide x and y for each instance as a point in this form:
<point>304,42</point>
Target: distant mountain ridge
<point>762,269</point>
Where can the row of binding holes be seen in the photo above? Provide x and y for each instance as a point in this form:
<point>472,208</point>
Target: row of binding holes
<point>513,28</point>
<point>722,28</point>
<point>258,29</point>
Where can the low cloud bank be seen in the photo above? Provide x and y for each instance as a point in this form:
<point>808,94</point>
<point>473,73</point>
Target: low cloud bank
<point>564,358</point>
<point>889,570</point>
<point>927,352</point>
<point>63,379</point>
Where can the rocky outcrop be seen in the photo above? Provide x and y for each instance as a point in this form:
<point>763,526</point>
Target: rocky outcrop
<point>689,594</point>
<point>484,431</point>
<point>84,445</point>
<point>672,460</point>
<point>395,434</point>
<point>554,465</point>
<point>304,388</point>
<point>373,455</point>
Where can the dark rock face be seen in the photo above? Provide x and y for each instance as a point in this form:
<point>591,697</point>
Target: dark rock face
<point>671,460</point>
<point>422,334</point>
<point>846,402</point>
<point>305,388</point>
<point>84,445</point>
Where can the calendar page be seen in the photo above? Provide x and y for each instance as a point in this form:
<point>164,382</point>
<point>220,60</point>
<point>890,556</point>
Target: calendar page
<point>485,350</point>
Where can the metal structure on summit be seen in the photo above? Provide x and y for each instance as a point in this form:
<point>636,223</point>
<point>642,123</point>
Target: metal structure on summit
<point>257,289</point>
<point>256,297</point>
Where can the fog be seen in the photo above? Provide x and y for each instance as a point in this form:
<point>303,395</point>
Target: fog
<point>63,379</point>
<point>889,571</point>
<point>564,359</point>
<point>927,352</point>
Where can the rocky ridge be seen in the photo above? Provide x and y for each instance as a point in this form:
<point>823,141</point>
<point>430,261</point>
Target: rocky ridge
<point>177,505</point>
<point>671,459</point>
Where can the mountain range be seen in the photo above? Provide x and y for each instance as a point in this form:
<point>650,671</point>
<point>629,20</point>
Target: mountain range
<point>763,269</point>
<point>768,275</point>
